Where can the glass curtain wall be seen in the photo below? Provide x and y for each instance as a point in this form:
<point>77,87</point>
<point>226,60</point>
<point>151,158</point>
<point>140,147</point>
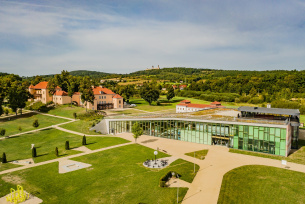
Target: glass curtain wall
<point>252,138</point>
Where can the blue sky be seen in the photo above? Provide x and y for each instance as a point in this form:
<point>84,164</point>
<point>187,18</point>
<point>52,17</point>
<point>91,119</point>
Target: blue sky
<point>45,37</point>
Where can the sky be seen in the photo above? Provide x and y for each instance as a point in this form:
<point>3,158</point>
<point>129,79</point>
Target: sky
<point>44,37</point>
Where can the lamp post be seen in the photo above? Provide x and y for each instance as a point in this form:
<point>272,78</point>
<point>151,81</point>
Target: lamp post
<point>173,174</point>
<point>194,163</point>
<point>155,153</point>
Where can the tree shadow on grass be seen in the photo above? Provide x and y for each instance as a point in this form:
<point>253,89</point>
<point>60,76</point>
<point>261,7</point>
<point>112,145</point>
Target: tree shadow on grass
<point>91,143</point>
<point>40,155</point>
<point>14,117</point>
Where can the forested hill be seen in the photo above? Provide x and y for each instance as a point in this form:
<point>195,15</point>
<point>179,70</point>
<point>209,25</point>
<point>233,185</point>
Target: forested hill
<point>92,74</point>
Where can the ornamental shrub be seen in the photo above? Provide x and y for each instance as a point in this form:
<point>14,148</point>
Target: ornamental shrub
<point>67,146</point>
<point>84,140</point>
<point>56,151</point>
<point>34,153</point>
<point>4,158</point>
<point>35,123</point>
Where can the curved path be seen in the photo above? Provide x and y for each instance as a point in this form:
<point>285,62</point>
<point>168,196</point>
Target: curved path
<point>206,186</point>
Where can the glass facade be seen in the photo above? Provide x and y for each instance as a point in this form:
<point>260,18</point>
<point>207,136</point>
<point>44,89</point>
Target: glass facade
<point>270,140</point>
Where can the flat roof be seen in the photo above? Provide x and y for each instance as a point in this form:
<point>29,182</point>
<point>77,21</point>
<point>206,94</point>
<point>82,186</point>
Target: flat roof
<point>279,111</point>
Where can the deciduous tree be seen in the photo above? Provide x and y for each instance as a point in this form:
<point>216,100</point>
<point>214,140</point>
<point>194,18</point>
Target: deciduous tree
<point>137,131</point>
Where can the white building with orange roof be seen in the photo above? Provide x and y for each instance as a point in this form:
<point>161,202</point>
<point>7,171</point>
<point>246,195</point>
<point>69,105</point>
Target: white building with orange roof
<point>41,92</point>
<point>103,98</point>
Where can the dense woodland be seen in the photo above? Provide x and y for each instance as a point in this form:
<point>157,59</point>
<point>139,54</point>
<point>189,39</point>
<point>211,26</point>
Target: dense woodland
<point>282,88</point>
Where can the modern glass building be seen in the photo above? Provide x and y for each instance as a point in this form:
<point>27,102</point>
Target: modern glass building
<point>267,137</point>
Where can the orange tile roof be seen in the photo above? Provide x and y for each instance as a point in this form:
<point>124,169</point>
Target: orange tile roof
<point>117,96</point>
<point>40,85</point>
<point>76,93</point>
<point>99,90</point>
<point>184,86</point>
<point>61,93</point>
<point>215,103</point>
<point>185,101</point>
<point>196,105</point>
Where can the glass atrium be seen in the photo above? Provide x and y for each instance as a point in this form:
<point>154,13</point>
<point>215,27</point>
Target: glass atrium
<point>270,140</point>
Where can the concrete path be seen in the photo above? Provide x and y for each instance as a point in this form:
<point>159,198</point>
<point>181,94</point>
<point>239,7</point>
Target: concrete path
<point>36,130</point>
<point>205,187</point>
<point>61,159</point>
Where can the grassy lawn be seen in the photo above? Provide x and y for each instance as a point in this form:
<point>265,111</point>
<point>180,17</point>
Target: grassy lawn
<point>297,157</point>
<point>116,176</point>
<point>143,105</point>
<point>67,111</point>
<point>8,166</point>
<point>262,184</point>
<point>25,122</point>
<point>198,154</point>
<point>81,126</point>
<point>18,148</point>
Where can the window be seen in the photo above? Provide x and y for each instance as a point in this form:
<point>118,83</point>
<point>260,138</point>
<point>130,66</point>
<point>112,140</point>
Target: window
<point>99,97</point>
<point>119,106</point>
<point>120,102</point>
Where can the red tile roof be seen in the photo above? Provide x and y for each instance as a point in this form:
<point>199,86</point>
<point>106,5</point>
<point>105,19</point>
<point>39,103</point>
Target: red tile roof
<point>61,93</point>
<point>99,90</point>
<point>185,101</point>
<point>40,85</point>
<point>184,86</point>
<point>215,103</point>
<point>190,105</point>
<point>117,96</point>
<point>76,93</point>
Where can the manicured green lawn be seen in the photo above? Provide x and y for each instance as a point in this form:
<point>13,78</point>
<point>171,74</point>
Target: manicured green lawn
<point>81,126</point>
<point>297,157</point>
<point>17,148</point>
<point>262,184</point>
<point>116,176</point>
<point>26,122</point>
<point>198,154</point>
<point>165,104</point>
<point>67,110</point>
<point>6,166</point>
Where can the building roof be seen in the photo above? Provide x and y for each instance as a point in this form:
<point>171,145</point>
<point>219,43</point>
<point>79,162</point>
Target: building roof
<point>215,103</point>
<point>191,105</point>
<point>100,90</point>
<point>40,85</point>
<point>61,93</point>
<point>185,101</point>
<point>279,111</point>
<point>76,93</point>
<point>184,86</point>
<point>117,96</point>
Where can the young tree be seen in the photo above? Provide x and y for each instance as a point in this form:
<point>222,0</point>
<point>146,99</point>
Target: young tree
<point>84,142</point>
<point>87,92</point>
<point>56,151</point>
<point>36,124</point>
<point>52,86</point>
<point>2,131</point>
<point>149,93</point>
<point>170,93</point>
<point>4,160</point>
<point>74,115</point>
<point>67,146</point>
<point>137,131</point>
<point>34,152</point>
<point>71,87</point>
<point>17,96</point>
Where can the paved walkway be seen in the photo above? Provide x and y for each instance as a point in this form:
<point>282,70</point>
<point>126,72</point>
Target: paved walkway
<point>206,186</point>
<point>61,159</point>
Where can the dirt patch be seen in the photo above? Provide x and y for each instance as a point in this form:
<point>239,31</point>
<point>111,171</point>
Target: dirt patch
<point>12,179</point>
